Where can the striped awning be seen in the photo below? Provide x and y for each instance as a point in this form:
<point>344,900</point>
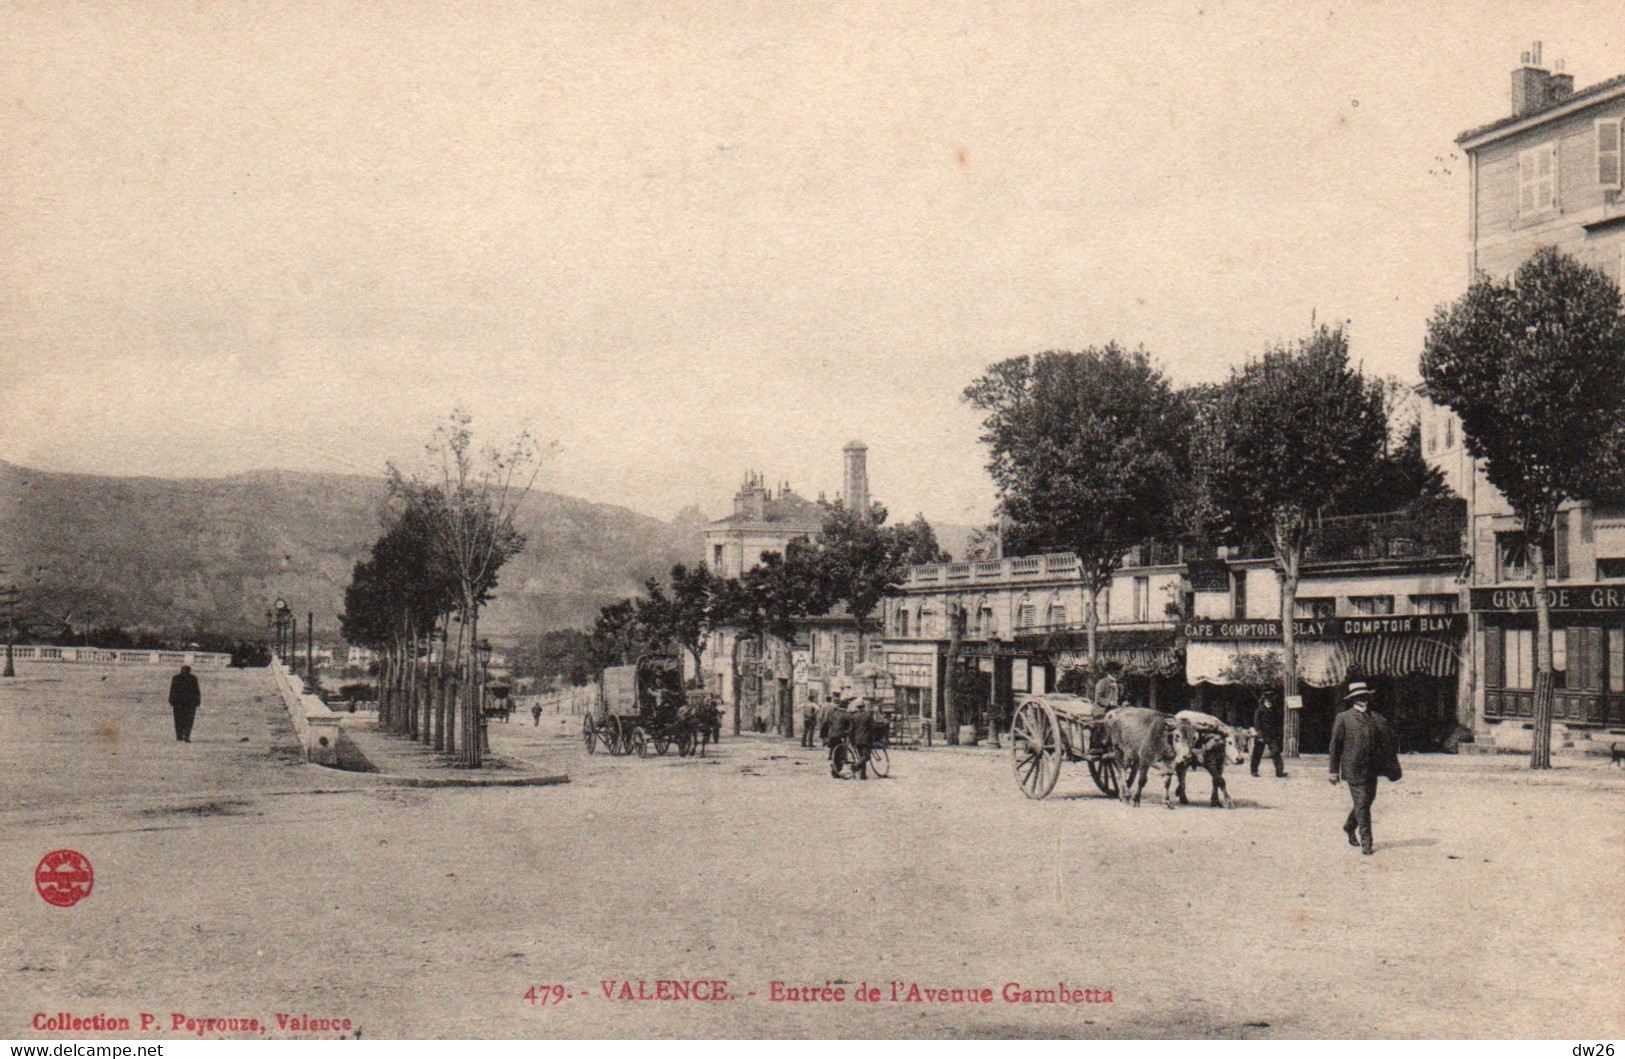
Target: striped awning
<point>1144,658</point>
<point>1321,663</point>
<point>1401,656</point>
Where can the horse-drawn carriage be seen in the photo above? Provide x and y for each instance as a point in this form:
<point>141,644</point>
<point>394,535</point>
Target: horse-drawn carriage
<point>1120,746</point>
<point>643,708</point>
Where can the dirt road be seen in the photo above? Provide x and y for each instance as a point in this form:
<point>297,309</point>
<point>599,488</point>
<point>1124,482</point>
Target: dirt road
<point>234,881</point>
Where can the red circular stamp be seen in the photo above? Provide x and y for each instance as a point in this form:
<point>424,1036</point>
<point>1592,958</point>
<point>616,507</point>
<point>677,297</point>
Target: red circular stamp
<point>64,877</point>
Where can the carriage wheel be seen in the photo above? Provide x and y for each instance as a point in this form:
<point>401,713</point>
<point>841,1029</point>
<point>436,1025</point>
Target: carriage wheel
<point>640,742</point>
<point>613,736</point>
<point>880,761</point>
<point>662,744</point>
<point>1103,770</point>
<point>1035,749</point>
<point>589,733</point>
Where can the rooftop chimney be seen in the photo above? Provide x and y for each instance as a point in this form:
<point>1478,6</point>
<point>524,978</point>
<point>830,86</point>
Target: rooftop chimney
<point>1532,84</point>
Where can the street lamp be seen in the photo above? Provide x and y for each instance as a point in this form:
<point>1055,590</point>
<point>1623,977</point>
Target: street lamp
<point>283,618</point>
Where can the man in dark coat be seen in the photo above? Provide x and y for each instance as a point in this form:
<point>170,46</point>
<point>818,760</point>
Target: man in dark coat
<point>1267,732</point>
<point>1362,750</point>
<point>184,699</point>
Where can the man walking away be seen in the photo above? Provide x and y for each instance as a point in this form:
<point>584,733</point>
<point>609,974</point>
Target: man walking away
<point>809,722</point>
<point>184,699</point>
<point>1267,732</point>
<point>1362,750</point>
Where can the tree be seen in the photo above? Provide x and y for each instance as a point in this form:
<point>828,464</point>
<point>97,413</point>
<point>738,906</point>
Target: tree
<point>1087,452</point>
<point>1282,441</point>
<point>476,494</point>
<point>1535,368</point>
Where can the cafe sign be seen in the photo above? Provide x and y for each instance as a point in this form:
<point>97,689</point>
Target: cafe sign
<point>1329,628</point>
<point>1558,597</point>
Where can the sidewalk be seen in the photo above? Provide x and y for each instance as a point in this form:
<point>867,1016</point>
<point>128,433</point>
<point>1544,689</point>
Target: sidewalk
<point>401,762</point>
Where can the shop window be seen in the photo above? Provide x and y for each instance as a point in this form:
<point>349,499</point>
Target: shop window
<point>1611,569</point>
<point>1371,604</point>
<point>1314,607</point>
<point>1560,657</point>
<point>1616,660</point>
<point>1433,604</point>
<point>1520,660</point>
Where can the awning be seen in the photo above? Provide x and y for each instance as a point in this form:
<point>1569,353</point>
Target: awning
<point>1401,656</point>
<point>1165,660</point>
<point>1321,663</point>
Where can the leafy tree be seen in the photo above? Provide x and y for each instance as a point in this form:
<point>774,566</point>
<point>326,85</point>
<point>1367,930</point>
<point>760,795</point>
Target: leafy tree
<point>1088,452</point>
<point>1282,442</point>
<point>1535,368</point>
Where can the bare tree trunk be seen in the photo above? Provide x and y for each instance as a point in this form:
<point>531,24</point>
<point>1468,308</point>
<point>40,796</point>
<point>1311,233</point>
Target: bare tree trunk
<point>1092,621</point>
<point>1540,754</point>
<point>950,689</point>
<point>1290,718</point>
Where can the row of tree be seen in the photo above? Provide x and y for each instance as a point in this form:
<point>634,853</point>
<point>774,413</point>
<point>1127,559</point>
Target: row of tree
<point>851,564</point>
<point>416,598</point>
<point>1096,452</point>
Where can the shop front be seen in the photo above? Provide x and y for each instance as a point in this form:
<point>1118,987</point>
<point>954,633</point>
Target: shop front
<point>1411,662</point>
<point>1588,656</point>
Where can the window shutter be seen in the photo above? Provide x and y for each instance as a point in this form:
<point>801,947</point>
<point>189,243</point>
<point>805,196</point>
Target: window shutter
<point>1560,546</point>
<point>1526,181</point>
<point>1546,196</point>
<point>1494,657</point>
<point>1608,153</point>
<point>1596,646</point>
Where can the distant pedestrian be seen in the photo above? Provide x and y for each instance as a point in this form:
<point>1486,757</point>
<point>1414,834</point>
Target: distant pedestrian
<point>809,723</point>
<point>1362,750</point>
<point>1267,733</point>
<point>184,698</point>
<point>535,714</point>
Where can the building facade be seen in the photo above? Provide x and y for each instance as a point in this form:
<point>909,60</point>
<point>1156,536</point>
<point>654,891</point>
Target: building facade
<point>1548,174</point>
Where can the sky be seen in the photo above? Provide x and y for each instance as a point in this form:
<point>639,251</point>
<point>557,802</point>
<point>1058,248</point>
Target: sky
<point>679,241</point>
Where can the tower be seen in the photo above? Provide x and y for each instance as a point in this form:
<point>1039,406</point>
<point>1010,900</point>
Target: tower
<point>857,477</point>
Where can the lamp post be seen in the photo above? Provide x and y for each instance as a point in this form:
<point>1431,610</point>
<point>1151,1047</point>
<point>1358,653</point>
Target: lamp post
<point>283,618</point>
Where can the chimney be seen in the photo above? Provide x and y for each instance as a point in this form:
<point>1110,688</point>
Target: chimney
<point>1532,84</point>
<point>1562,84</point>
<point>857,477</point>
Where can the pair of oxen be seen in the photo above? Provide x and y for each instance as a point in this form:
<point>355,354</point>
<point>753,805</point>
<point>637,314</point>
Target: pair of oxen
<point>1143,739</point>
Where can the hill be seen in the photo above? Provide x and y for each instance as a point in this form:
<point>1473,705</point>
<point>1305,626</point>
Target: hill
<point>213,553</point>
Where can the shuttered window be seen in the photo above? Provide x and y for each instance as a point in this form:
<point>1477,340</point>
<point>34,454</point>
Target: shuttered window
<point>1608,153</point>
<point>1537,178</point>
<point>1616,659</point>
<point>1494,658</point>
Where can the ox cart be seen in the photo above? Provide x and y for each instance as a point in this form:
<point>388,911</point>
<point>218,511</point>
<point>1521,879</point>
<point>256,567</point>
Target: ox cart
<point>639,710</point>
<point>1049,729</point>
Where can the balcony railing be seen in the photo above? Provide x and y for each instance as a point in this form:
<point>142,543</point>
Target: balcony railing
<point>1416,533</point>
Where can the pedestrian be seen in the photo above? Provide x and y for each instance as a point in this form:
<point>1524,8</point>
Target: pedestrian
<point>861,733</point>
<point>1107,691</point>
<point>184,699</point>
<point>535,715</point>
<point>1267,732</point>
<point>809,722</point>
<point>1362,750</point>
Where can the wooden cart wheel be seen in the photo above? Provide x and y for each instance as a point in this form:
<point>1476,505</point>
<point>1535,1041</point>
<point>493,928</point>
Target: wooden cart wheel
<point>880,761</point>
<point>640,742</point>
<point>589,733</point>
<point>662,744</point>
<point>610,732</point>
<point>1035,749</point>
<point>1103,770</point>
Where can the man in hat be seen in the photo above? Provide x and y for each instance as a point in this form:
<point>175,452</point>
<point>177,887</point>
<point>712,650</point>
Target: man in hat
<point>809,720</point>
<point>1362,750</point>
<point>1267,733</point>
<point>184,698</point>
<point>860,730</point>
